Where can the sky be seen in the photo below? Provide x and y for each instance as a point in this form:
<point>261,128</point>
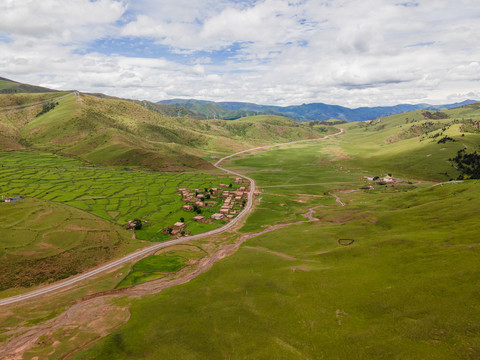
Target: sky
<point>273,52</point>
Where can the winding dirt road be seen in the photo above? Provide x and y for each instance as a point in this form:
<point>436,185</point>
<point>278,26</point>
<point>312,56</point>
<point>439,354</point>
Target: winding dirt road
<point>143,252</point>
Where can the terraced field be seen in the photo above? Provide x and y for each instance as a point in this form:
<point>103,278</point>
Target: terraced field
<point>114,195</point>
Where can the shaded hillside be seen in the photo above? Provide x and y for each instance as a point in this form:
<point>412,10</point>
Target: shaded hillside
<point>12,87</point>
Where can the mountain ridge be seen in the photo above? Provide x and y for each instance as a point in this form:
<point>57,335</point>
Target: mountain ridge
<point>304,112</point>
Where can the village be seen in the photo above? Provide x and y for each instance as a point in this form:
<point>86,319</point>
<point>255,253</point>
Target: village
<point>200,201</point>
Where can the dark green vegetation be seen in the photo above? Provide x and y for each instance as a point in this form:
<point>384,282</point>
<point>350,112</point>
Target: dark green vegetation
<point>43,241</point>
<point>405,288</point>
<point>150,268</point>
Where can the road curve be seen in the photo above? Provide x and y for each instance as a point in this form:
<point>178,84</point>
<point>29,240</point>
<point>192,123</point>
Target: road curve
<point>137,254</point>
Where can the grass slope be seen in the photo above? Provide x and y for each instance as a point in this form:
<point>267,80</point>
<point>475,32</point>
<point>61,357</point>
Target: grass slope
<point>43,242</point>
<point>122,133</point>
<point>407,144</point>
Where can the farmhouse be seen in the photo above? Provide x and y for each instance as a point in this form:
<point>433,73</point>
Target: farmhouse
<point>217,216</point>
<point>178,226</point>
<point>199,218</point>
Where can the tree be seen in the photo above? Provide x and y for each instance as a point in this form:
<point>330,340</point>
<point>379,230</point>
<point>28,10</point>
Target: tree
<point>138,224</point>
<point>182,219</point>
<point>230,185</point>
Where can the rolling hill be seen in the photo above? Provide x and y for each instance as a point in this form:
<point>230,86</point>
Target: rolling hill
<point>125,133</point>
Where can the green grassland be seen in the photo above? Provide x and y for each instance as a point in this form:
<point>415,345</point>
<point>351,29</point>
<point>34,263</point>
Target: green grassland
<point>112,194</point>
<point>151,268</point>
<point>406,288</point>
<point>43,241</point>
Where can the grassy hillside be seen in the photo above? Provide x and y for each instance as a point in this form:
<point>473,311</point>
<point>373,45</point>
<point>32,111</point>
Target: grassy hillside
<point>43,242</point>
<point>414,143</point>
<point>125,134</point>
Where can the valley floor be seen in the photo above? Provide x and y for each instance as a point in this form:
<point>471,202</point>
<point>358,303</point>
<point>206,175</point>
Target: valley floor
<point>329,265</point>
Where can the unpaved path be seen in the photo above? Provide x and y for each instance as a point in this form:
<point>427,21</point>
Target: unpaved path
<point>114,264</point>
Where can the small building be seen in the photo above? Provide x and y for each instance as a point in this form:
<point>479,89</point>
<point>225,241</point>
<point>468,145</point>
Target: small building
<point>199,196</point>
<point>200,203</point>
<point>369,178</point>
<point>238,198</point>
<point>178,226</point>
<point>223,186</point>
<point>215,191</point>
<point>217,216</point>
<point>230,217</point>
<point>224,211</point>
<point>187,208</point>
<point>199,218</point>
<point>388,179</point>
<point>238,180</point>
<point>226,194</point>
<point>243,189</point>
<point>182,190</point>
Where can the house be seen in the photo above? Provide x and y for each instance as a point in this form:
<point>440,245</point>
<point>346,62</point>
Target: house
<point>369,178</point>
<point>224,211</point>
<point>187,208</point>
<point>182,190</point>
<point>217,216</point>
<point>388,179</point>
<point>226,194</point>
<point>238,180</point>
<point>215,191</point>
<point>199,218</point>
<point>199,196</point>
<point>178,226</point>
<point>242,189</point>
<point>238,198</point>
<point>230,217</point>
<point>223,186</point>
<point>200,203</point>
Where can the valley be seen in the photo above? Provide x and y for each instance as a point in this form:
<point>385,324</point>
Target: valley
<point>357,238</point>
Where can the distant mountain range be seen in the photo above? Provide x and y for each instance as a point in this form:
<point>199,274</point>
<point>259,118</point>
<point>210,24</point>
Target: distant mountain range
<point>305,112</point>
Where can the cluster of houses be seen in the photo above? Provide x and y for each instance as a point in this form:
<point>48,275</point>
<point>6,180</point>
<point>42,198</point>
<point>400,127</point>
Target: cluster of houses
<point>387,179</point>
<point>197,199</point>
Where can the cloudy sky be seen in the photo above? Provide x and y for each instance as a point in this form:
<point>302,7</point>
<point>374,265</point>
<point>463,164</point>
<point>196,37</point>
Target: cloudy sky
<point>279,52</point>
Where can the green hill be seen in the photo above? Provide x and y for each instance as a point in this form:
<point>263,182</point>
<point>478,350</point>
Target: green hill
<point>419,143</point>
<point>12,87</point>
<point>124,133</point>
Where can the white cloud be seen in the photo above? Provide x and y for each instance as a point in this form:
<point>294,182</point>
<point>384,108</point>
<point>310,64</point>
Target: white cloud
<point>347,52</point>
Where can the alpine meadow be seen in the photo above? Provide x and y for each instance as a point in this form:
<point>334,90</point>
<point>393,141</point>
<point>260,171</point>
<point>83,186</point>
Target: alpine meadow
<point>172,185</point>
